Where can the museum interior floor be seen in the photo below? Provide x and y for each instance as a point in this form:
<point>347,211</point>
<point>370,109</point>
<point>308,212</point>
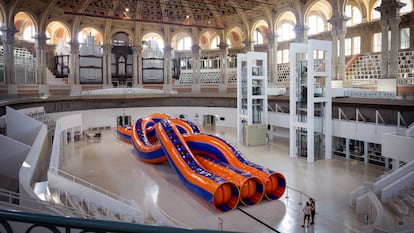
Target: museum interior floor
<point>112,164</point>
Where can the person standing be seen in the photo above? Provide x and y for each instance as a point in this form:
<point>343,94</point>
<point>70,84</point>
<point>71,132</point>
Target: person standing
<point>312,205</point>
<point>307,213</point>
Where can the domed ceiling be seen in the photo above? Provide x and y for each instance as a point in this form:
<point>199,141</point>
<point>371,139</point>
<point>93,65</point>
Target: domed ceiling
<point>202,13</point>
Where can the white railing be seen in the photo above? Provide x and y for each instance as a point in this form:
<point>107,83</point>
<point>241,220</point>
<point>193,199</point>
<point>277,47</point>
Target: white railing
<point>89,185</point>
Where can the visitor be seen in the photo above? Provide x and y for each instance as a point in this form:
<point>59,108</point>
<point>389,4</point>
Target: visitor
<point>307,213</point>
<point>312,205</point>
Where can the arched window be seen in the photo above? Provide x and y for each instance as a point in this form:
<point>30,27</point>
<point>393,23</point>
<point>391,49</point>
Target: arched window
<point>184,43</point>
<point>257,37</point>
<point>215,42</point>
<point>354,14</point>
<point>407,8</point>
<point>374,13</point>
<point>153,47</point>
<point>29,33</point>
<point>315,24</point>
<point>285,32</point>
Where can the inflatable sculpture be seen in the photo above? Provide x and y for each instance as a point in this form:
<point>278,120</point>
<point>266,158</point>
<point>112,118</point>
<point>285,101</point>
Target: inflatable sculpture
<point>207,165</point>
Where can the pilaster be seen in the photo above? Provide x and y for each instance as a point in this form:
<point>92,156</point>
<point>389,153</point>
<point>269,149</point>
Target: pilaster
<point>136,69</point>
<point>8,55</point>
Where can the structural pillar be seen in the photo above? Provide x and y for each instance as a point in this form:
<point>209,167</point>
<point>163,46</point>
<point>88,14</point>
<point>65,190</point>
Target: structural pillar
<point>136,50</point>
<point>8,56</point>
<point>300,31</point>
<point>272,48</point>
<point>390,19</point>
<point>248,45</point>
<point>395,41</point>
<point>384,48</point>
<point>106,77</point>
<point>109,63</point>
<point>338,34</point>
<point>167,69</point>
<point>341,59</point>
<point>334,36</point>
<point>74,66</point>
<point>196,87</point>
<point>41,58</point>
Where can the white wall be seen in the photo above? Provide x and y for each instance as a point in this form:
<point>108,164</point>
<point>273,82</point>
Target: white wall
<point>12,155</point>
<point>21,127</point>
<point>107,117</point>
<point>398,147</point>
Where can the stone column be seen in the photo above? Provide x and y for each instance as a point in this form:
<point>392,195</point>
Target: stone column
<point>196,87</point>
<point>224,52</point>
<point>248,45</point>
<point>272,50</point>
<point>136,51</point>
<point>109,63</point>
<point>338,34</point>
<point>334,61</point>
<point>167,65</point>
<point>384,48</point>
<point>341,60</point>
<point>390,19</point>
<point>139,62</point>
<point>8,56</point>
<point>395,41</point>
<point>106,80</point>
<point>168,82</point>
<point>300,31</point>
<point>74,66</point>
<point>41,58</point>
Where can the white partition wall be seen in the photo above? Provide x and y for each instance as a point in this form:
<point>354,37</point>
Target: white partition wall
<point>310,96</point>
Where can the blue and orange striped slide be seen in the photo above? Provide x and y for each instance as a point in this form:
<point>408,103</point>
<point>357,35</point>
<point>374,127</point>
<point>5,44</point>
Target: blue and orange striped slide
<point>207,165</point>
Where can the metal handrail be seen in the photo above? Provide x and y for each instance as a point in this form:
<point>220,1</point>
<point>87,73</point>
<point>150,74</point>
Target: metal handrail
<point>90,185</point>
<point>14,198</point>
<point>65,224</point>
<point>301,194</point>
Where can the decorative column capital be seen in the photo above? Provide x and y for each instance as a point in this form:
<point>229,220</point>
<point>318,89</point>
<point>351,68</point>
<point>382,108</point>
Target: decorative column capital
<point>394,21</point>
<point>137,49</point>
<point>272,37</point>
<point>8,34</point>
<point>107,48</point>
<point>74,45</point>
<point>338,22</point>
<point>223,46</point>
<point>41,41</point>
<point>196,50</point>
<point>167,50</point>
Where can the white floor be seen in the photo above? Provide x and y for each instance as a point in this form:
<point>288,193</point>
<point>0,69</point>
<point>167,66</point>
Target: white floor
<point>111,163</point>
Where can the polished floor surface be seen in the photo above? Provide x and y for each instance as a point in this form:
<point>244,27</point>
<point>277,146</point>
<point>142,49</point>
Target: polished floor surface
<point>111,163</point>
